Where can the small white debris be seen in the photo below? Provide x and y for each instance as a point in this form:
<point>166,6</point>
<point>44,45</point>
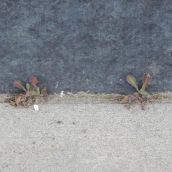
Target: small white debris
<point>36,107</point>
<point>62,94</point>
<point>69,93</point>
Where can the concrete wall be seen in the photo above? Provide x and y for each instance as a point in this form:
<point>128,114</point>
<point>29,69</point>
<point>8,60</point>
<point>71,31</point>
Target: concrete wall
<point>81,45</point>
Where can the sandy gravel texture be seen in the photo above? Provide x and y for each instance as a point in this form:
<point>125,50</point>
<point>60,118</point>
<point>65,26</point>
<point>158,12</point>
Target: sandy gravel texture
<point>86,137</point>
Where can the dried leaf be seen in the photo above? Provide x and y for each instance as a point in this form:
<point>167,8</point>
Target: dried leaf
<point>125,100</point>
<point>20,99</point>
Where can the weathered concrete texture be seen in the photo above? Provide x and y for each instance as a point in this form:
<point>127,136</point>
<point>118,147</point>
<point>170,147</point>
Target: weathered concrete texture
<point>85,45</point>
<point>86,138</point>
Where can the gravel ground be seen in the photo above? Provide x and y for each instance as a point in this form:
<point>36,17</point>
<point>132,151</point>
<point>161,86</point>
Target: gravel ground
<point>86,137</point>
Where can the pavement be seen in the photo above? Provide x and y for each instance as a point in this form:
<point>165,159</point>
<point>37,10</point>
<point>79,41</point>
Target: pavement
<point>86,137</point>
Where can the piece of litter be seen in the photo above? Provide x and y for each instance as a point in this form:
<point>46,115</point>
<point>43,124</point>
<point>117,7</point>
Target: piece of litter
<point>36,107</point>
<point>61,93</point>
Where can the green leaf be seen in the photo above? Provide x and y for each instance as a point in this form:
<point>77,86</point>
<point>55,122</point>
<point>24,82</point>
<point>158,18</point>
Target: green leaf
<point>38,91</point>
<point>144,93</point>
<point>28,86</point>
<point>132,81</point>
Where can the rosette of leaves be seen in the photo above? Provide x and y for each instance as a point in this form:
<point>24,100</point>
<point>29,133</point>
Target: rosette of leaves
<point>31,88</point>
<point>141,95</point>
<point>27,92</point>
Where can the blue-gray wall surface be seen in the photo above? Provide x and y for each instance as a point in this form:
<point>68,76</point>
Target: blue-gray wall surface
<point>85,45</point>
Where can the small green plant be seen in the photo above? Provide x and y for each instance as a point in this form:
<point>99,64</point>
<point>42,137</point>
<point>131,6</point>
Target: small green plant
<point>146,82</point>
<point>141,95</point>
<point>27,92</point>
<point>31,88</point>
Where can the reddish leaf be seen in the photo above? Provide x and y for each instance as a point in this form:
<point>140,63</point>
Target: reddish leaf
<point>34,81</point>
<point>19,85</point>
<point>146,81</point>
<point>147,78</point>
